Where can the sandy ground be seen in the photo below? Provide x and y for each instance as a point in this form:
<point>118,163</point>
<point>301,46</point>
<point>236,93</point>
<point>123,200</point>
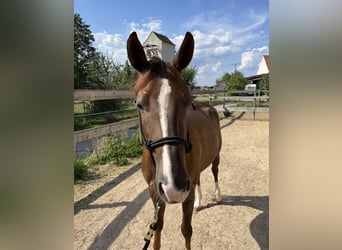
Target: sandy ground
<point>113,210</point>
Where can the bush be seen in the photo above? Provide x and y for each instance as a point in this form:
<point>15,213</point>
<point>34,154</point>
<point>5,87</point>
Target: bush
<point>265,82</point>
<point>116,149</point>
<point>80,169</point>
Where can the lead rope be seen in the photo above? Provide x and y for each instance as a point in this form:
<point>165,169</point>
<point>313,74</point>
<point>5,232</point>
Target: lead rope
<point>152,228</point>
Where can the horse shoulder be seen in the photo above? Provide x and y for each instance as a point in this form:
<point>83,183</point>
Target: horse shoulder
<point>205,134</point>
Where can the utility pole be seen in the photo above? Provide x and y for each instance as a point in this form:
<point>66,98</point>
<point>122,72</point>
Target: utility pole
<point>235,64</point>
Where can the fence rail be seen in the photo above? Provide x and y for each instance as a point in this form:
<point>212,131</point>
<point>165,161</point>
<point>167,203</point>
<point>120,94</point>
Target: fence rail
<point>114,112</point>
<point>248,109</point>
<point>91,133</point>
<point>92,95</point>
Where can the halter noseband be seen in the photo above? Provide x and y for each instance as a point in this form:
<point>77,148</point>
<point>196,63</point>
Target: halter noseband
<point>150,145</point>
<point>169,140</point>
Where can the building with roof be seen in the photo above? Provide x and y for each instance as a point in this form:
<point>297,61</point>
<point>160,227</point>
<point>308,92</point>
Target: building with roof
<point>264,68</point>
<point>159,45</point>
<point>264,65</point>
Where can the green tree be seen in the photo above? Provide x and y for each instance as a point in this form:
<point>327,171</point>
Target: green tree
<point>83,53</point>
<point>265,82</point>
<point>124,76</point>
<point>189,75</point>
<point>236,81</point>
<point>99,71</point>
<point>223,81</point>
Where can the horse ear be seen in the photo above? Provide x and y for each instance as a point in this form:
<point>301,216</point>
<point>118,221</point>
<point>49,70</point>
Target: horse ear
<point>185,53</point>
<point>136,54</point>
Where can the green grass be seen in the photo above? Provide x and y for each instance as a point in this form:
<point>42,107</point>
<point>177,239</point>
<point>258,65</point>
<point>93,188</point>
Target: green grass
<point>80,169</point>
<point>78,108</point>
<point>116,149</point>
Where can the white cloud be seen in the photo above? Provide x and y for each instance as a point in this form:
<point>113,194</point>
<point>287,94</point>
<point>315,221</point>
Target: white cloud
<point>144,29</point>
<point>254,21</point>
<point>112,45</point>
<point>216,67</point>
<point>219,43</point>
<point>208,73</point>
<point>250,59</point>
<point>107,41</point>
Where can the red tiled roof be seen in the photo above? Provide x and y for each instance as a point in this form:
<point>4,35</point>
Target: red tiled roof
<point>267,60</point>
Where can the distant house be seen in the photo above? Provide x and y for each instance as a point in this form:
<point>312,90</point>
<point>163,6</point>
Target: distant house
<point>159,45</point>
<point>254,80</point>
<point>264,68</point>
<point>264,65</point>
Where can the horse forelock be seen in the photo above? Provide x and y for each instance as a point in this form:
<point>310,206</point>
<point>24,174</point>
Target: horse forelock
<point>141,79</point>
<point>158,69</point>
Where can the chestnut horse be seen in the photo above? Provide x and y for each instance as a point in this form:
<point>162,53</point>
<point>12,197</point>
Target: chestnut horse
<point>181,138</point>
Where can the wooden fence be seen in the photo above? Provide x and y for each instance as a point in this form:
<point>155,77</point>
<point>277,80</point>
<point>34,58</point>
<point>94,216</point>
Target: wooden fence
<point>91,133</point>
<point>91,95</point>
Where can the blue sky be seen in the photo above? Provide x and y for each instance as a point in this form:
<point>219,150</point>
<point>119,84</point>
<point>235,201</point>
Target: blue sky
<point>225,32</point>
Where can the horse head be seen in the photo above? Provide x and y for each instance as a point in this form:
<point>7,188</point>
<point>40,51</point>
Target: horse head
<point>163,100</point>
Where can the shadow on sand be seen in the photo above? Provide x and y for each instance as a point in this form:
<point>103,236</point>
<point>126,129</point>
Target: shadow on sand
<point>132,208</point>
<point>93,196</point>
<point>233,120</point>
<point>259,226</point>
<point>113,229</point>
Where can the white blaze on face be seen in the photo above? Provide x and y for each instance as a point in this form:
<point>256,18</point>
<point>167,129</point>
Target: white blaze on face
<point>163,101</point>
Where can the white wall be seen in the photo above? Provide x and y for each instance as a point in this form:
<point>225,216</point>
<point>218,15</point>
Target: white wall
<point>263,69</point>
<point>168,52</point>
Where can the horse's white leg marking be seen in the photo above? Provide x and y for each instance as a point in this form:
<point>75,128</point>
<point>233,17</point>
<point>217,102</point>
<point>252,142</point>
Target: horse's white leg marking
<point>218,192</point>
<point>198,197</point>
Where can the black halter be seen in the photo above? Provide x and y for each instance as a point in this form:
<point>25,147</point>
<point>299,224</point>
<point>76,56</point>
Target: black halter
<point>150,145</point>
<point>169,140</point>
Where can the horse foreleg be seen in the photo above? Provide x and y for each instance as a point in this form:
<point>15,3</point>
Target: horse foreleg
<point>198,195</point>
<point>160,224</point>
<point>214,169</point>
<point>186,227</point>
<point>148,170</point>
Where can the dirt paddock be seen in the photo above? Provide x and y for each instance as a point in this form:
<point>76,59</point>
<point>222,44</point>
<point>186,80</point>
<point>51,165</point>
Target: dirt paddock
<point>114,210</point>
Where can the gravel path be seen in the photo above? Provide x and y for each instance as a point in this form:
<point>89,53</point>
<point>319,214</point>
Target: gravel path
<point>113,212</point>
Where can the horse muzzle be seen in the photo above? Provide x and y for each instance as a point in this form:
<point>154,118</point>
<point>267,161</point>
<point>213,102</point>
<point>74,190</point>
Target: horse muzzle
<point>171,194</point>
